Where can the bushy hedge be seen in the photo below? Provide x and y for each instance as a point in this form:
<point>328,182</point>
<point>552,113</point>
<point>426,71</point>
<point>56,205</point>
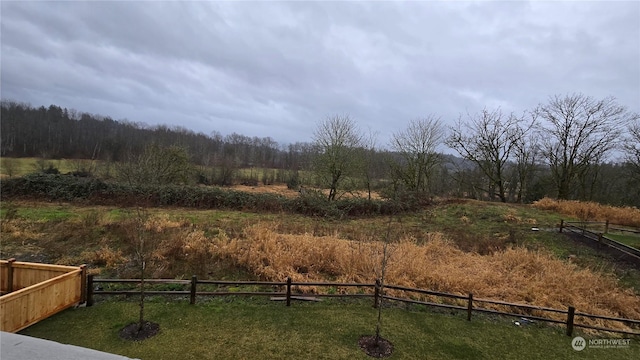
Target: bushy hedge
<point>70,188</point>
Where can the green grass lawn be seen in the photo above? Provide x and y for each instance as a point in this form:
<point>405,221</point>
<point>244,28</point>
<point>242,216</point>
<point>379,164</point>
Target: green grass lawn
<point>627,239</point>
<point>249,329</point>
<point>23,166</point>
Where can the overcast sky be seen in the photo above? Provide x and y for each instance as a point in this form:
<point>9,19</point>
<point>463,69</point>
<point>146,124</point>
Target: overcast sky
<point>278,68</point>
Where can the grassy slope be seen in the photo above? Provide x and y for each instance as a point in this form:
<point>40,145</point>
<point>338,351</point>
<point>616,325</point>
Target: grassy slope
<point>628,239</point>
<point>243,329</point>
<point>472,225</point>
<point>224,330</point>
<point>23,166</point>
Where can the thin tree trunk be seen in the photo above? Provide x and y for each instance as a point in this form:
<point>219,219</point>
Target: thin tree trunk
<point>382,278</point>
<point>141,323</point>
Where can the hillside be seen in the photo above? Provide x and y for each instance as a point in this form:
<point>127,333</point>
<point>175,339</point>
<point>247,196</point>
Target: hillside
<point>461,246</point>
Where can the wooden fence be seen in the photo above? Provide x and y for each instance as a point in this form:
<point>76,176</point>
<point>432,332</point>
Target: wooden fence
<point>375,291</point>
<point>598,230</point>
<point>32,292</point>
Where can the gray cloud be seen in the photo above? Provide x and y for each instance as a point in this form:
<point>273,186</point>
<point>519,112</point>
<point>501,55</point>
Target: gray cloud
<point>277,68</point>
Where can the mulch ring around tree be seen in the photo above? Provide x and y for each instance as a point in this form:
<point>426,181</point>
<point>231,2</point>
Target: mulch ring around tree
<point>377,348</point>
<point>134,333</point>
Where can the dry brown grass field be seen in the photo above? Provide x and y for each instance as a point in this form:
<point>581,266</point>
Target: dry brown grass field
<point>591,211</point>
<point>460,247</point>
<point>281,189</point>
<point>515,275</point>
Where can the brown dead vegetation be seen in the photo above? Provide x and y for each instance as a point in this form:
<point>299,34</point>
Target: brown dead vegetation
<point>514,275</point>
<point>269,251</point>
<point>278,189</point>
<point>282,189</point>
<point>591,211</point>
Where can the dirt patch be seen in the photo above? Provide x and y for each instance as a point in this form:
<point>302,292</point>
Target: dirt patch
<point>377,347</point>
<point>282,189</point>
<point>279,189</point>
<point>621,259</point>
<point>133,332</point>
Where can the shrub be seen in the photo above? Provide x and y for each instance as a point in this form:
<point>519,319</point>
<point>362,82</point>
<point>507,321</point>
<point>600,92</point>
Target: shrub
<point>310,202</point>
<point>106,257</point>
<point>293,181</point>
<point>268,177</point>
<point>10,211</point>
<point>51,170</point>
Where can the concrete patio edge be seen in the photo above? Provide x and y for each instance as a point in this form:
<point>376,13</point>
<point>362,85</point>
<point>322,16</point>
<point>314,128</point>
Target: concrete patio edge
<point>22,347</point>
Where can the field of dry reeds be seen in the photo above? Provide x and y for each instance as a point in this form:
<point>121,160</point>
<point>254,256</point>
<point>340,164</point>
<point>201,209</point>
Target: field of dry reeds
<point>592,211</point>
<point>515,275</point>
<point>263,247</point>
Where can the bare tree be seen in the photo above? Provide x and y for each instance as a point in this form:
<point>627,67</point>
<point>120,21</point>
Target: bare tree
<point>489,140</point>
<point>417,147</point>
<point>142,246</point>
<point>368,161</point>
<point>9,165</point>
<point>526,157</point>
<point>384,261</point>
<point>337,140</point>
<point>632,148</point>
<point>141,250</point>
<point>156,165</point>
<point>377,346</point>
<point>577,131</point>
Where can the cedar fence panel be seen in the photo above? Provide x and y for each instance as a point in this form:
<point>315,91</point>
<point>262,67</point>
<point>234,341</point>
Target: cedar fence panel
<point>27,274</point>
<point>31,304</point>
<point>32,291</point>
<point>6,275</point>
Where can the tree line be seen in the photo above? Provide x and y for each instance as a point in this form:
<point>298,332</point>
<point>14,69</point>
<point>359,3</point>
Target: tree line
<point>571,147</point>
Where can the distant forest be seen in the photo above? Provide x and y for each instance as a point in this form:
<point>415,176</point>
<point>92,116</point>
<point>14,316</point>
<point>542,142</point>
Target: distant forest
<point>59,133</point>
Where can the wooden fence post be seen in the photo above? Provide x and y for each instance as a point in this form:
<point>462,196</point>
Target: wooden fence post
<point>606,227</point>
<point>10,274</point>
<point>470,307</point>
<point>376,294</point>
<point>288,291</point>
<point>90,290</point>
<point>600,240</point>
<point>83,283</point>
<point>570,316</point>
<point>194,281</point>
<point>561,224</point>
